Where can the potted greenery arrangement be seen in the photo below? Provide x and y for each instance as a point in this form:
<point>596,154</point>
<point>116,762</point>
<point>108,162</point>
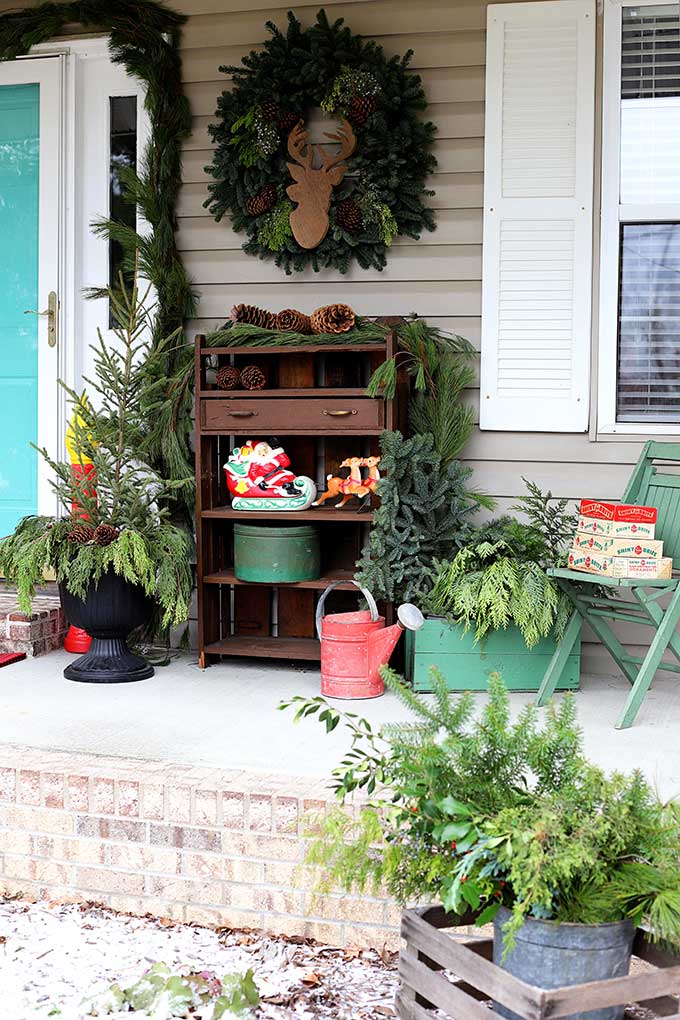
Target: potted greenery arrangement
<point>120,560</point>
<point>509,820</point>
<point>491,607</point>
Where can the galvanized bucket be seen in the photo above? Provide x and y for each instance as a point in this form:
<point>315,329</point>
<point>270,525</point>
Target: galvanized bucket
<point>551,955</point>
<point>276,555</point>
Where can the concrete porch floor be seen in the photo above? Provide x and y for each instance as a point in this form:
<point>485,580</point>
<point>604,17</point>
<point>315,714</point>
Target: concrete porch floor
<point>226,717</point>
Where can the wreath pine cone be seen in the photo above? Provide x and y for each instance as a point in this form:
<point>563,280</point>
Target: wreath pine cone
<point>252,378</point>
<point>287,121</point>
<point>227,377</point>
<point>292,321</point>
<point>361,107</point>
<point>263,201</point>
<point>336,318</point>
<point>254,316</point>
<point>80,534</point>
<point>105,534</point>
<point>348,216</point>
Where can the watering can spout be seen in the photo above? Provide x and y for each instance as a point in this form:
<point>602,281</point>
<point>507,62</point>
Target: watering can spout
<point>381,643</point>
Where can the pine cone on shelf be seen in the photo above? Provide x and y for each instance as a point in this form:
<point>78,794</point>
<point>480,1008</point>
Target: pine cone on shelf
<point>292,321</point>
<point>252,378</point>
<point>105,534</point>
<point>348,216</point>
<point>361,107</point>
<point>336,318</point>
<point>263,201</point>
<point>80,534</point>
<point>227,377</point>
<point>254,316</point>
<point>287,121</point>
<point>270,109</point>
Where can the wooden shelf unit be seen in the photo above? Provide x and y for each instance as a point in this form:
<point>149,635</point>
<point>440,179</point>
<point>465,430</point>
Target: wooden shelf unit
<point>305,388</point>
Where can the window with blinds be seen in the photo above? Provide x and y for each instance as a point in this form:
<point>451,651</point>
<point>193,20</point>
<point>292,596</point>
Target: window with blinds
<point>648,355</point>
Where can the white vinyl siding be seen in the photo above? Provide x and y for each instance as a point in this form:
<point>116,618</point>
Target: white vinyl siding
<point>538,207</point>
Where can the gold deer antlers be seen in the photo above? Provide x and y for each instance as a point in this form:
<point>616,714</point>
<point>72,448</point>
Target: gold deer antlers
<point>312,190</point>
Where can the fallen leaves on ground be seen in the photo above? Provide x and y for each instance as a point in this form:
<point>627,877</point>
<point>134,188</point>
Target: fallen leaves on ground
<point>52,957</point>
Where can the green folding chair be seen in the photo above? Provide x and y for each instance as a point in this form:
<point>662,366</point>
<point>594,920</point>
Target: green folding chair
<point>651,484</point>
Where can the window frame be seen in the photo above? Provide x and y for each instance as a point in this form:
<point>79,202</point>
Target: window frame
<point>612,215</point>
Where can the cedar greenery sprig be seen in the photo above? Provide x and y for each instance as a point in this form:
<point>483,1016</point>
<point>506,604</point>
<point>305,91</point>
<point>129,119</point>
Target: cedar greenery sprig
<point>145,39</point>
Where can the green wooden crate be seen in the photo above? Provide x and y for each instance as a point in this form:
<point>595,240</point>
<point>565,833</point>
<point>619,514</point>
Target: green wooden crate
<point>466,665</point>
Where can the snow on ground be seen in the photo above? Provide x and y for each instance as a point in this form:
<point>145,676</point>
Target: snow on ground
<point>55,958</point>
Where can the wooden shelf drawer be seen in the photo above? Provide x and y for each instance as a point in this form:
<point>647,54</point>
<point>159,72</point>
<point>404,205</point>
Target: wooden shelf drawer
<point>307,416</point>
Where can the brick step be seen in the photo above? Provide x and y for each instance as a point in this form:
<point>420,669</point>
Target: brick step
<point>35,633</point>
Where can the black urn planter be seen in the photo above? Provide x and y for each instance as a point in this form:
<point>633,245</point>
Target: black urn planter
<point>108,613</point>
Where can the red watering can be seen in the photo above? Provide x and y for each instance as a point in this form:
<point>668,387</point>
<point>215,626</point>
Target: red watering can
<point>355,645</point>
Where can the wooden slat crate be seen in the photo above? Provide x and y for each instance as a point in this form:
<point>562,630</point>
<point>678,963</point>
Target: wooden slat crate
<point>472,979</point>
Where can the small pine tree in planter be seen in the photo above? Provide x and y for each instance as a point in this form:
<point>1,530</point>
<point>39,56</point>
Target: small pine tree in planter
<point>493,608</point>
<point>508,819</point>
<point>120,560</point>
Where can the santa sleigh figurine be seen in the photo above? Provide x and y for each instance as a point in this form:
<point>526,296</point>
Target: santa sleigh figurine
<point>258,479</point>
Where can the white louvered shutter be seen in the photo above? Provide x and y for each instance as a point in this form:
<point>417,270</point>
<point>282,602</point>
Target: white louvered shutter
<point>538,211</point>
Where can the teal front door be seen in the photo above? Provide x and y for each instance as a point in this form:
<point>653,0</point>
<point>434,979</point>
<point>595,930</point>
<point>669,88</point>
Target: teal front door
<point>29,221</point>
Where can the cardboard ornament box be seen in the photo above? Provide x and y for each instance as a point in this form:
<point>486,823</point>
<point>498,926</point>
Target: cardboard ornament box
<point>615,529</point>
<point>637,567</point>
<point>627,513</point>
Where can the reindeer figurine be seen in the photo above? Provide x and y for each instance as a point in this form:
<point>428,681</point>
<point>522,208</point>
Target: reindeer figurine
<point>312,190</point>
<point>346,487</point>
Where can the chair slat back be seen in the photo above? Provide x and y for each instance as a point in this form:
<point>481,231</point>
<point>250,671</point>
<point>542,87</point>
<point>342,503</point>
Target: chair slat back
<point>656,482</point>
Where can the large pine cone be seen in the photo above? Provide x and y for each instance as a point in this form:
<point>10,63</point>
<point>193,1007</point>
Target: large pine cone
<point>292,321</point>
<point>361,107</point>
<point>105,534</point>
<point>348,216</point>
<point>254,316</point>
<point>263,201</point>
<point>252,378</point>
<point>333,319</point>
<point>227,377</point>
<point>80,534</point>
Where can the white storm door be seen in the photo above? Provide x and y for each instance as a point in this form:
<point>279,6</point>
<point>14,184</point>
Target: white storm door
<point>30,204</point>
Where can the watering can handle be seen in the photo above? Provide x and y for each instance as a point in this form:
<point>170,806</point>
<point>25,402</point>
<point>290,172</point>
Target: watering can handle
<point>364,591</point>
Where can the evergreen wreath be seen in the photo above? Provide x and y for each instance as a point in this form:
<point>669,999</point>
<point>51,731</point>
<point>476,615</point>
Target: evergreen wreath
<point>382,193</point>
<point>144,38</point>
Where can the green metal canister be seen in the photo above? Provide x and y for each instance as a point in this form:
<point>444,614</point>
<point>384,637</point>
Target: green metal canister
<point>276,554</point>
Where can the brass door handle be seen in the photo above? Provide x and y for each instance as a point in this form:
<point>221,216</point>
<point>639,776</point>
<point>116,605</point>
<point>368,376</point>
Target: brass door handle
<point>51,312</point>
<point>340,414</point>
<point>242,414</point>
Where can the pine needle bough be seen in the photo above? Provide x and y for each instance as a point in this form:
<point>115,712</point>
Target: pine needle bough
<point>426,509</point>
<point>475,810</point>
<point>324,65</point>
<point>122,491</point>
<point>145,39</point>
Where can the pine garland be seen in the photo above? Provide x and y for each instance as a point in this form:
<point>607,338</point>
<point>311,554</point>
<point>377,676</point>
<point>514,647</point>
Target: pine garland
<point>325,65</point>
<point>144,38</point>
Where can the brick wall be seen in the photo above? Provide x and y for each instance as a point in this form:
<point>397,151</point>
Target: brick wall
<point>35,633</point>
<point>188,843</point>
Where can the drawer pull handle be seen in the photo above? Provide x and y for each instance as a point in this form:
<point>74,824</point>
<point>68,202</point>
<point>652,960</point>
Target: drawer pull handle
<point>340,414</point>
<point>242,414</point>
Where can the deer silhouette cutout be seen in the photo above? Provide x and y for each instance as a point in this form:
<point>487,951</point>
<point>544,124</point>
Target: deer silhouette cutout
<point>313,186</point>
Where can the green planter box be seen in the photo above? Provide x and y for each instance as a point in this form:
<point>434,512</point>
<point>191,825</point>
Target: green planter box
<point>466,665</point>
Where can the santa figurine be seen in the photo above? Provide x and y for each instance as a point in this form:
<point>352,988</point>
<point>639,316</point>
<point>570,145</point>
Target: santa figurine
<point>258,479</point>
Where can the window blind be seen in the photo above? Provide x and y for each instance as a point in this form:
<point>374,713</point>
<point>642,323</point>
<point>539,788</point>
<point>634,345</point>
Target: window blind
<point>649,323</point>
<point>650,52</point>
